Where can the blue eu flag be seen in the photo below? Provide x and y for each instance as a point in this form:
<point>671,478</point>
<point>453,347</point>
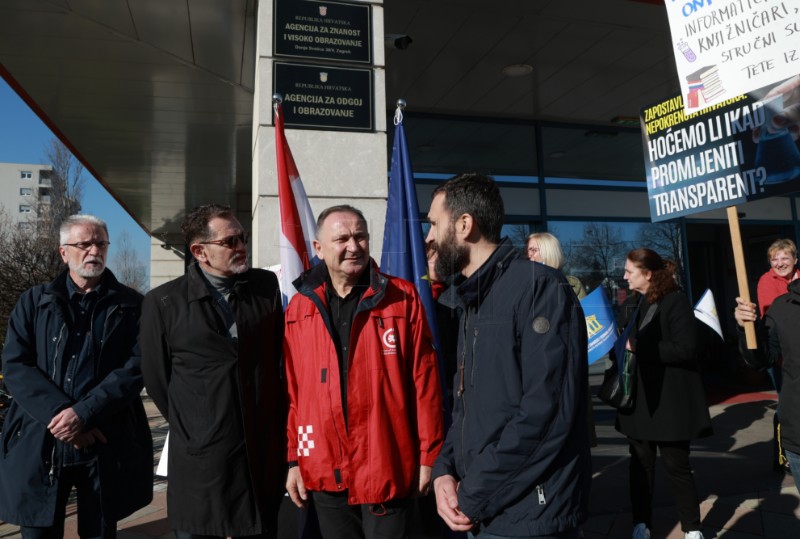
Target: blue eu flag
<point>403,245</point>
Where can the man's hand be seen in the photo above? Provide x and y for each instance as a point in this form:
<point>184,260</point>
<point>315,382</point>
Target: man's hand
<point>295,487</point>
<point>744,312</point>
<point>65,425</point>
<point>446,489</point>
<point>424,475</point>
<point>85,439</point>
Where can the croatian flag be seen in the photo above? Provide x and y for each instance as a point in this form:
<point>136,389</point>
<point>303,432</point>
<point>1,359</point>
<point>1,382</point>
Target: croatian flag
<point>297,221</point>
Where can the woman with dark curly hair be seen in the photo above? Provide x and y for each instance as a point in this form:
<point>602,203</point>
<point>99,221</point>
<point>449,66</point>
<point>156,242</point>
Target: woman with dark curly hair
<point>670,406</point>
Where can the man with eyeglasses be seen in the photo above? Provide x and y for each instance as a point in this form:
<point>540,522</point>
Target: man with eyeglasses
<point>211,350</point>
<point>72,364</point>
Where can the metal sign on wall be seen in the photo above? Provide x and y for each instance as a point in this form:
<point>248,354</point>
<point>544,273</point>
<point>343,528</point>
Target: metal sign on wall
<point>323,30</point>
<point>325,97</point>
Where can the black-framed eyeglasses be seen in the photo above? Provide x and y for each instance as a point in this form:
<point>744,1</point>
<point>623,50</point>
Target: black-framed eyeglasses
<point>86,245</point>
<point>231,242</point>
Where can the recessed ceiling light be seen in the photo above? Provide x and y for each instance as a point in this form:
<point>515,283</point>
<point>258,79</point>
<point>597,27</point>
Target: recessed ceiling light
<point>517,70</point>
<point>629,121</point>
<point>600,133</point>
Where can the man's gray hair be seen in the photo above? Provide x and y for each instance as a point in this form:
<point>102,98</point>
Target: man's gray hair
<point>78,219</point>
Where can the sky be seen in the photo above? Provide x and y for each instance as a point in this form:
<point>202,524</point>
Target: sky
<point>23,139</point>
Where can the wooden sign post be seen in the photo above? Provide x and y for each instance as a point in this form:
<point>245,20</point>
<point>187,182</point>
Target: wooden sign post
<point>741,272</point>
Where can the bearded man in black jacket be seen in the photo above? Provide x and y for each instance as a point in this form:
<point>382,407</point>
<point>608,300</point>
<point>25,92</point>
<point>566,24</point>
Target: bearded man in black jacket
<point>516,460</point>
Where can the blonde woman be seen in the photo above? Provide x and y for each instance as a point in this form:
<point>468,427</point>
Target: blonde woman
<point>545,248</point>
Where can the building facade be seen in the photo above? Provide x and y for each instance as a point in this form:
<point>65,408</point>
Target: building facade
<point>23,188</point>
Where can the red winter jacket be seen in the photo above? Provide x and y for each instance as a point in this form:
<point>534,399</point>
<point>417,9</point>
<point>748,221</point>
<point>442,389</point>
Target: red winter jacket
<point>394,399</point>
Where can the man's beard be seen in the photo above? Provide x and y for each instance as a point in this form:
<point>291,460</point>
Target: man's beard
<point>239,266</point>
<point>89,272</point>
<point>451,258</point>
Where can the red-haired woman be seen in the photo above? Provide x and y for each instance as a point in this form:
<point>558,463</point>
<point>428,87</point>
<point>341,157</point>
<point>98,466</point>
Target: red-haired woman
<point>670,406</point>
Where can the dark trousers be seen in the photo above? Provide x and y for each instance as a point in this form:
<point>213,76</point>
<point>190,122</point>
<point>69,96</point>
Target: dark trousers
<point>574,533</point>
<point>338,520</point>
<point>91,521</point>
<point>269,519</point>
<point>778,453</point>
<point>794,464</point>
<point>675,456</point>
<point>187,535</point>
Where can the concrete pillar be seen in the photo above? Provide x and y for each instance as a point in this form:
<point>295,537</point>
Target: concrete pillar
<point>166,259</point>
<point>337,167</point>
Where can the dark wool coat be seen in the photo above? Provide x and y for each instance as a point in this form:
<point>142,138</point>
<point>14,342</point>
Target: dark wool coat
<point>223,398</point>
<point>32,363</point>
<point>670,400</point>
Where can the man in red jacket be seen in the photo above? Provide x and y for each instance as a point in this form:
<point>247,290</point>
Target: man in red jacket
<point>365,409</point>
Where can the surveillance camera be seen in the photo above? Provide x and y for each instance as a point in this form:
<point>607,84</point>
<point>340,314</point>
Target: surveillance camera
<point>397,41</point>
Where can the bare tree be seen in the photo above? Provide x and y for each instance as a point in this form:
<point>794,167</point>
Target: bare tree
<point>665,239</point>
<point>518,234</point>
<point>60,192</point>
<point>29,249</point>
<point>600,255</point>
<point>29,258</point>
<point>128,268</point>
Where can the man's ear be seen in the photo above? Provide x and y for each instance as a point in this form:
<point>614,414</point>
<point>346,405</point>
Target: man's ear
<point>199,252</point>
<point>63,252</point>
<point>465,225</point>
<point>317,248</point>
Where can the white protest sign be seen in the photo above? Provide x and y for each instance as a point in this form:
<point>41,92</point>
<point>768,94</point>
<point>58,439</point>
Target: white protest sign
<point>725,48</point>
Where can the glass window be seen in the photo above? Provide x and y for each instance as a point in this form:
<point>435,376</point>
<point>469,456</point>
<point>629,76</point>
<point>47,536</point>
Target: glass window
<point>592,153</point>
<point>595,252</point>
<point>23,208</point>
<point>25,191</point>
<point>444,145</point>
<point>518,234</point>
<point>26,175</point>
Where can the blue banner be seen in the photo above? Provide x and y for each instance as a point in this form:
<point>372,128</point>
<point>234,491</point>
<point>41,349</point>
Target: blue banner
<point>600,323</point>
<point>739,150</point>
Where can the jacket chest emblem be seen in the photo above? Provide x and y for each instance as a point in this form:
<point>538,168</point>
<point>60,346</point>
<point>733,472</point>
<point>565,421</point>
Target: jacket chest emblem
<point>389,341</point>
<point>304,442</point>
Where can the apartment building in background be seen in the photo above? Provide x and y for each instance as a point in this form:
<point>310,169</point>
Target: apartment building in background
<point>23,187</point>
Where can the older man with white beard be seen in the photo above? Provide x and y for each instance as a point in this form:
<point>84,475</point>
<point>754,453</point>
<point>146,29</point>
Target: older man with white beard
<point>211,350</point>
<point>72,363</point>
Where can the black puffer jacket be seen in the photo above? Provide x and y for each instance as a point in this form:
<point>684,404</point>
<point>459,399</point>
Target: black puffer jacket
<point>518,444</point>
<point>779,336</point>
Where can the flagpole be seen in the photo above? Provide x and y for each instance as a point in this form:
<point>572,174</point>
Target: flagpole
<point>404,254</point>
<point>398,113</point>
